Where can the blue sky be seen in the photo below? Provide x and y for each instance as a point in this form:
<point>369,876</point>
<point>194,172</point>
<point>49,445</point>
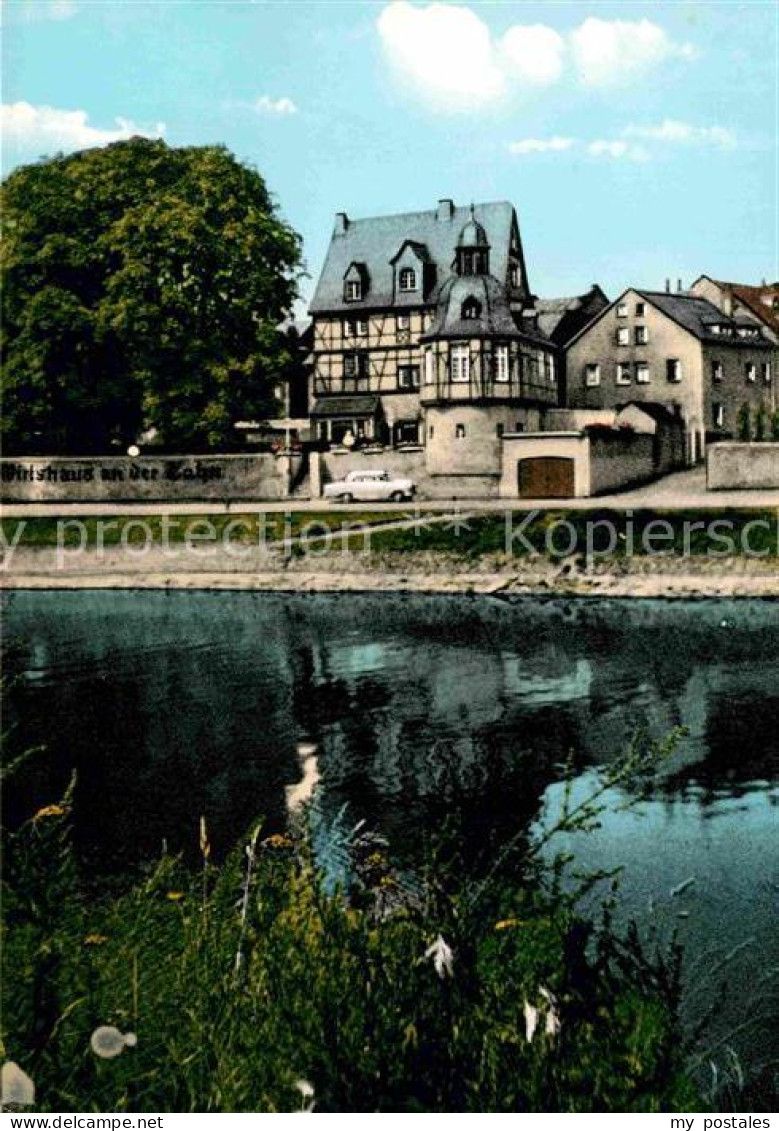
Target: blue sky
<point>637,141</point>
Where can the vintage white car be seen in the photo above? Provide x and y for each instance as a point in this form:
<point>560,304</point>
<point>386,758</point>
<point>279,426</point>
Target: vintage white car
<point>365,486</point>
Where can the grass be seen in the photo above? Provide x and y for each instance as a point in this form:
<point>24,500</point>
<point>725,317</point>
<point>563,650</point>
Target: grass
<point>287,976</point>
<point>617,534</point>
<point>555,533</point>
<point>115,530</point>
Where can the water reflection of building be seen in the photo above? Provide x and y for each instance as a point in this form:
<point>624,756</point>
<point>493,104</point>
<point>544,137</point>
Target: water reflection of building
<point>173,705</point>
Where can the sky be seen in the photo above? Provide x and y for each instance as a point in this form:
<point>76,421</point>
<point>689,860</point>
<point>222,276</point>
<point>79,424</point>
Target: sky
<point>636,140</point>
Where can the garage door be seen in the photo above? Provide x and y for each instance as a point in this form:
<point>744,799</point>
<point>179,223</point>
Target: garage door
<point>547,477</point>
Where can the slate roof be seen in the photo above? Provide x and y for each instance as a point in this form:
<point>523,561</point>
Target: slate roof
<point>495,320</point>
<point>375,242</point>
<point>697,315</point>
<point>345,406</point>
<point>560,318</point>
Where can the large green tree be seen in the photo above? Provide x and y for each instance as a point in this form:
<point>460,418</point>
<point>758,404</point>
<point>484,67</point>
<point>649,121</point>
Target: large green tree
<point>142,288</point>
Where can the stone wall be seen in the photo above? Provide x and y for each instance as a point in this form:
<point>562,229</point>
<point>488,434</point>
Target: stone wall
<point>736,466</point>
<point>620,458</point>
<point>146,478</point>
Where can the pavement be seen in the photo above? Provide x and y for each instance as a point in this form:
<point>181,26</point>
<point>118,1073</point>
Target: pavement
<point>682,490</point>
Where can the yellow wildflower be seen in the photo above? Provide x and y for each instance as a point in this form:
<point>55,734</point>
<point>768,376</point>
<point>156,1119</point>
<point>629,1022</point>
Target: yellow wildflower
<point>95,940</point>
<point>49,811</point>
<point>175,896</point>
<point>507,924</point>
<point>277,841</point>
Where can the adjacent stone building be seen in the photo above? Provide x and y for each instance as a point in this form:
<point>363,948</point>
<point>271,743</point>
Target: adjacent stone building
<point>678,350</point>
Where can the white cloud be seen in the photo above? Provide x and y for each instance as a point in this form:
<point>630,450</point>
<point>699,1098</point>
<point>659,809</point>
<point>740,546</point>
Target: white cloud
<point>618,150</point>
<point>534,54</point>
<point>44,129</point>
<point>634,143</point>
<point>541,145</point>
<point>448,54</point>
<point>682,133</point>
<point>611,52</point>
<point>62,9</point>
<point>267,105</point>
<point>444,52</point>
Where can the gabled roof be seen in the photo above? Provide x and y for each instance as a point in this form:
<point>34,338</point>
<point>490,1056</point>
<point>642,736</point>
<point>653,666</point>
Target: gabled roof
<point>694,314</point>
<point>763,301</point>
<point>375,242</point>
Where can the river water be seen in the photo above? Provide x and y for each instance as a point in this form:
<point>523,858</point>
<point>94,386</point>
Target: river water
<point>424,710</point>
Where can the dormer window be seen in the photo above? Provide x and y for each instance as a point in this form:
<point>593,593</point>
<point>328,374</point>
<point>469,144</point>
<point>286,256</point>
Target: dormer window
<point>408,279</point>
<point>471,310</point>
<point>355,283</point>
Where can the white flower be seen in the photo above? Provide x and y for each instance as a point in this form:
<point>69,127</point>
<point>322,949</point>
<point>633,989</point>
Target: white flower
<point>16,1087</point>
<point>307,1092</point>
<point>107,1042</point>
<point>442,956</point>
<point>531,1020</point>
<point>552,1026</point>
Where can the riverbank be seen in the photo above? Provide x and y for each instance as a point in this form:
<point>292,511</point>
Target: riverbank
<point>672,578</point>
<point>641,553</point>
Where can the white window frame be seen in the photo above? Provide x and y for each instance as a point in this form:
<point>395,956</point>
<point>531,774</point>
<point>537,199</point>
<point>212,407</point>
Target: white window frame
<point>642,373</point>
<point>404,321</point>
<point>640,309</point>
<point>623,336</point>
<point>624,373</point>
<point>751,372</point>
<point>459,431</point>
<point>766,372</point>
<point>622,310</point>
<point>403,285</point>
<point>718,413</point>
<point>361,327</point>
<point>429,367</point>
<point>406,368</point>
<point>677,370</point>
<point>642,335</point>
<point>353,290</point>
<point>592,375</point>
<point>501,365</point>
<point>459,363</point>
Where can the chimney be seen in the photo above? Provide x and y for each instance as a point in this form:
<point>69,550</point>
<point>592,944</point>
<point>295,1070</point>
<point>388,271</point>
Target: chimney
<point>445,210</point>
<point>678,286</point>
<point>668,286</point>
<point>341,224</point>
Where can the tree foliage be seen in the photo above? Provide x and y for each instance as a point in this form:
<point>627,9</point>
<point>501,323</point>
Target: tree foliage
<point>142,289</point>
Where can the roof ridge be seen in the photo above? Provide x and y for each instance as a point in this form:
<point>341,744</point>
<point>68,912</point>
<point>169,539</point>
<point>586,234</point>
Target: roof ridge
<point>426,211</point>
